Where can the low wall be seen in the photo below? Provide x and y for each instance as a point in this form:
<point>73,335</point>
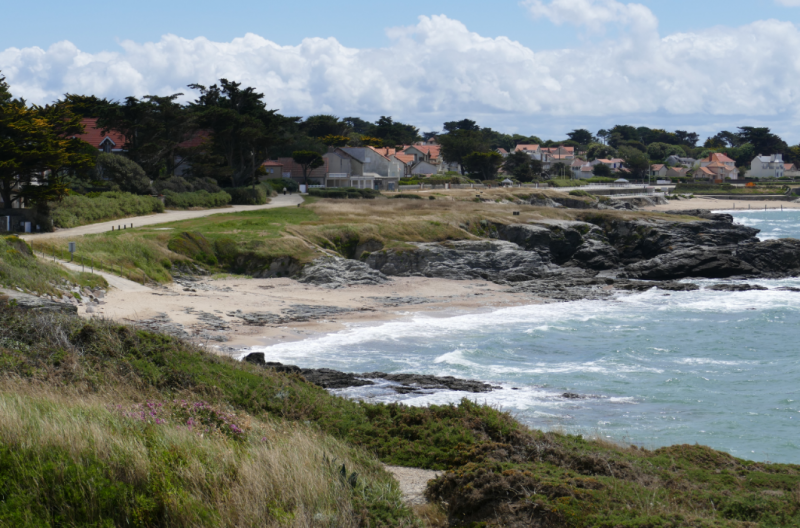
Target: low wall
<point>764,197</point>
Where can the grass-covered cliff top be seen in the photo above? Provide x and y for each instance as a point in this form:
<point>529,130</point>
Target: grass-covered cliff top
<point>247,242</point>
<point>105,425</point>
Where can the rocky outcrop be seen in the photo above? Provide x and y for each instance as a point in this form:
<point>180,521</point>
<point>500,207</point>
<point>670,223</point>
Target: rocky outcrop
<point>334,272</point>
<point>466,259</point>
<point>405,383</point>
<point>34,303</point>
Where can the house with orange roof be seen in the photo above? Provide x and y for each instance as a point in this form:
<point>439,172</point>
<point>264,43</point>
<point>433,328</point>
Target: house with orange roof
<point>659,170</point>
<point>503,152</point>
<point>678,172</point>
<point>615,164</point>
<point>721,165</point>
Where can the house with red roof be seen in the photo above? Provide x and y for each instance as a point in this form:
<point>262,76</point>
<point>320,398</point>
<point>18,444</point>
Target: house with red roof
<point>105,141</point>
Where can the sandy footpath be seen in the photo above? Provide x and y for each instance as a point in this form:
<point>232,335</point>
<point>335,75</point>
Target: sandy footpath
<point>207,310</point>
<point>162,218</point>
<point>721,204</point>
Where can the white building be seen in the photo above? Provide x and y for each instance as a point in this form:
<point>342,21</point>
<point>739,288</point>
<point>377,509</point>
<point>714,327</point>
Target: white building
<point>767,166</point>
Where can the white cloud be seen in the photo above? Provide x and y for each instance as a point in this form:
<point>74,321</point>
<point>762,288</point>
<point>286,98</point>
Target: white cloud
<point>594,14</point>
<point>438,70</point>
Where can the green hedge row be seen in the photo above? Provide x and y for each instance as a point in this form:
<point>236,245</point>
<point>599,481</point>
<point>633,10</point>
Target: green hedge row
<point>344,193</point>
<point>77,210</point>
<point>203,199</point>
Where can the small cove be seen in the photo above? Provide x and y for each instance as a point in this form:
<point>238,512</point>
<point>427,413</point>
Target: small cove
<point>654,369</point>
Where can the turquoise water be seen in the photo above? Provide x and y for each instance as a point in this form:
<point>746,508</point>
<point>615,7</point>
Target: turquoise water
<point>657,368</point>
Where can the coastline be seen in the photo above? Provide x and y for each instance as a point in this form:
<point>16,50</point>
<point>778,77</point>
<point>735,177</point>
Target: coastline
<point>719,204</point>
<point>210,311</point>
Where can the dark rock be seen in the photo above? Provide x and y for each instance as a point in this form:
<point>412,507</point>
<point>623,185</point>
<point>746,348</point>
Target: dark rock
<point>736,287</point>
<point>461,260</point>
<point>334,272</point>
<point>334,379</point>
<point>699,261</point>
<point>33,303</point>
<point>572,396</point>
<point>705,214</point>
<point>296,313</point>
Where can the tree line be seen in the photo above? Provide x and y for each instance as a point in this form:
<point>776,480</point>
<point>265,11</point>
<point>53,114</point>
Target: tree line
<point>222,136</point>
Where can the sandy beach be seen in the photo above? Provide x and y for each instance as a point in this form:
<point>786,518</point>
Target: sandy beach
<point>721,204</point>
<point>210,311</point>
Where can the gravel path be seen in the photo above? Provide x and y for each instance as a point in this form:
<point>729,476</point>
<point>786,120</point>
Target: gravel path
<point>168,216</point>
<point>413,482</point>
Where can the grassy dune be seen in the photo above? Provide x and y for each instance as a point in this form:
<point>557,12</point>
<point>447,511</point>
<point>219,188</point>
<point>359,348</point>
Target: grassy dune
<point>104,425</point>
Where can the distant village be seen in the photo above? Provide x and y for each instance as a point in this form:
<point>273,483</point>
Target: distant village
<point>228,139</point>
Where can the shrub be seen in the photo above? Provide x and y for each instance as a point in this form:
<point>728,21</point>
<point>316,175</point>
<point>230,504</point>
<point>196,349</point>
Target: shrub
<point>248,195</point>
<point>77,210</point>
<point>125,173</point>
<point>408,196</point>
<point>578,192</point>
<point>179,184</point>
<point>344,192</point>
<point>204,199</point>
<point>278,185</point>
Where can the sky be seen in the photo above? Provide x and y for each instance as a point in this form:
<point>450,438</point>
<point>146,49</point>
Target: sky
<point>536,67</point>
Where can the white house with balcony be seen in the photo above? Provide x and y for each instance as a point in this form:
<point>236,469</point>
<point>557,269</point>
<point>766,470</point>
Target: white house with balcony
<point>767,166</point>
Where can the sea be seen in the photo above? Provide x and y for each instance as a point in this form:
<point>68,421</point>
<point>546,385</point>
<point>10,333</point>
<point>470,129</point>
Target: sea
<point>653,369</point>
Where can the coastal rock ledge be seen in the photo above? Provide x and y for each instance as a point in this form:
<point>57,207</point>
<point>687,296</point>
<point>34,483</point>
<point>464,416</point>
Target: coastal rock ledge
<point>406,383</point>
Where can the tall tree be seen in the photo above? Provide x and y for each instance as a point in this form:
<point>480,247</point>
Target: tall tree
<point>518,164</point>
<point>154,128</point>
<point>358,125</point>
<point>581,136</point>
<point>243,131</point>
<point>459,144</point>
<point>483,164</point>
<point>464,124</point>
<point>37,149</point>
<point>395,133</point>
<point>763,140</point>
<point>308,161</point>
<point>689,139</point>
<point>638,165</point>
<point>5,94</point>
<point>318,126</point>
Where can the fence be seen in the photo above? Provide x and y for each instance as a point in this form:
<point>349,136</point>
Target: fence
<point>63,255</point>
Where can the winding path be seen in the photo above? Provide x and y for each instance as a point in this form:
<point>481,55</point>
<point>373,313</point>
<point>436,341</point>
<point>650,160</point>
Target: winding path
<point>161,218</point>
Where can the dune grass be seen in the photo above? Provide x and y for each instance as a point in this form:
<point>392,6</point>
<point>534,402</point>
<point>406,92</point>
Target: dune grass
<point>98,420</point>
<point>20,268</point>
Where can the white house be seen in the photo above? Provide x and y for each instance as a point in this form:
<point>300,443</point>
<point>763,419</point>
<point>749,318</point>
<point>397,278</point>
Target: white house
<point>767,166</point>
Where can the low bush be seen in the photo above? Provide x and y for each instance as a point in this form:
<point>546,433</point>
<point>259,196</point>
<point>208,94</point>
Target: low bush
<point>202,199</point>
<point>598,179</point>
<point>567,183</point>
<point>344,192</point>
<point>578,192</point>
<point>248,195</point>
<point>408,196</point>
<point>279,184</point>
<point>77,210</point>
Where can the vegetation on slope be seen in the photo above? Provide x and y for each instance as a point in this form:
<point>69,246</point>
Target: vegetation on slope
<point>20,268</point>
<point>101,422</point>
<point>251,242</point>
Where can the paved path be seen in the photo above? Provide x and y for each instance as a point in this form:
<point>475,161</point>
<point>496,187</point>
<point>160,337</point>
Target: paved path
<point>161,218</point>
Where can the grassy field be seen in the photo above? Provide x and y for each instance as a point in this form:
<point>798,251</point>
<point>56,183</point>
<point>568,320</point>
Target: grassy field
<point>104,425</point>
<point>247,243</point>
